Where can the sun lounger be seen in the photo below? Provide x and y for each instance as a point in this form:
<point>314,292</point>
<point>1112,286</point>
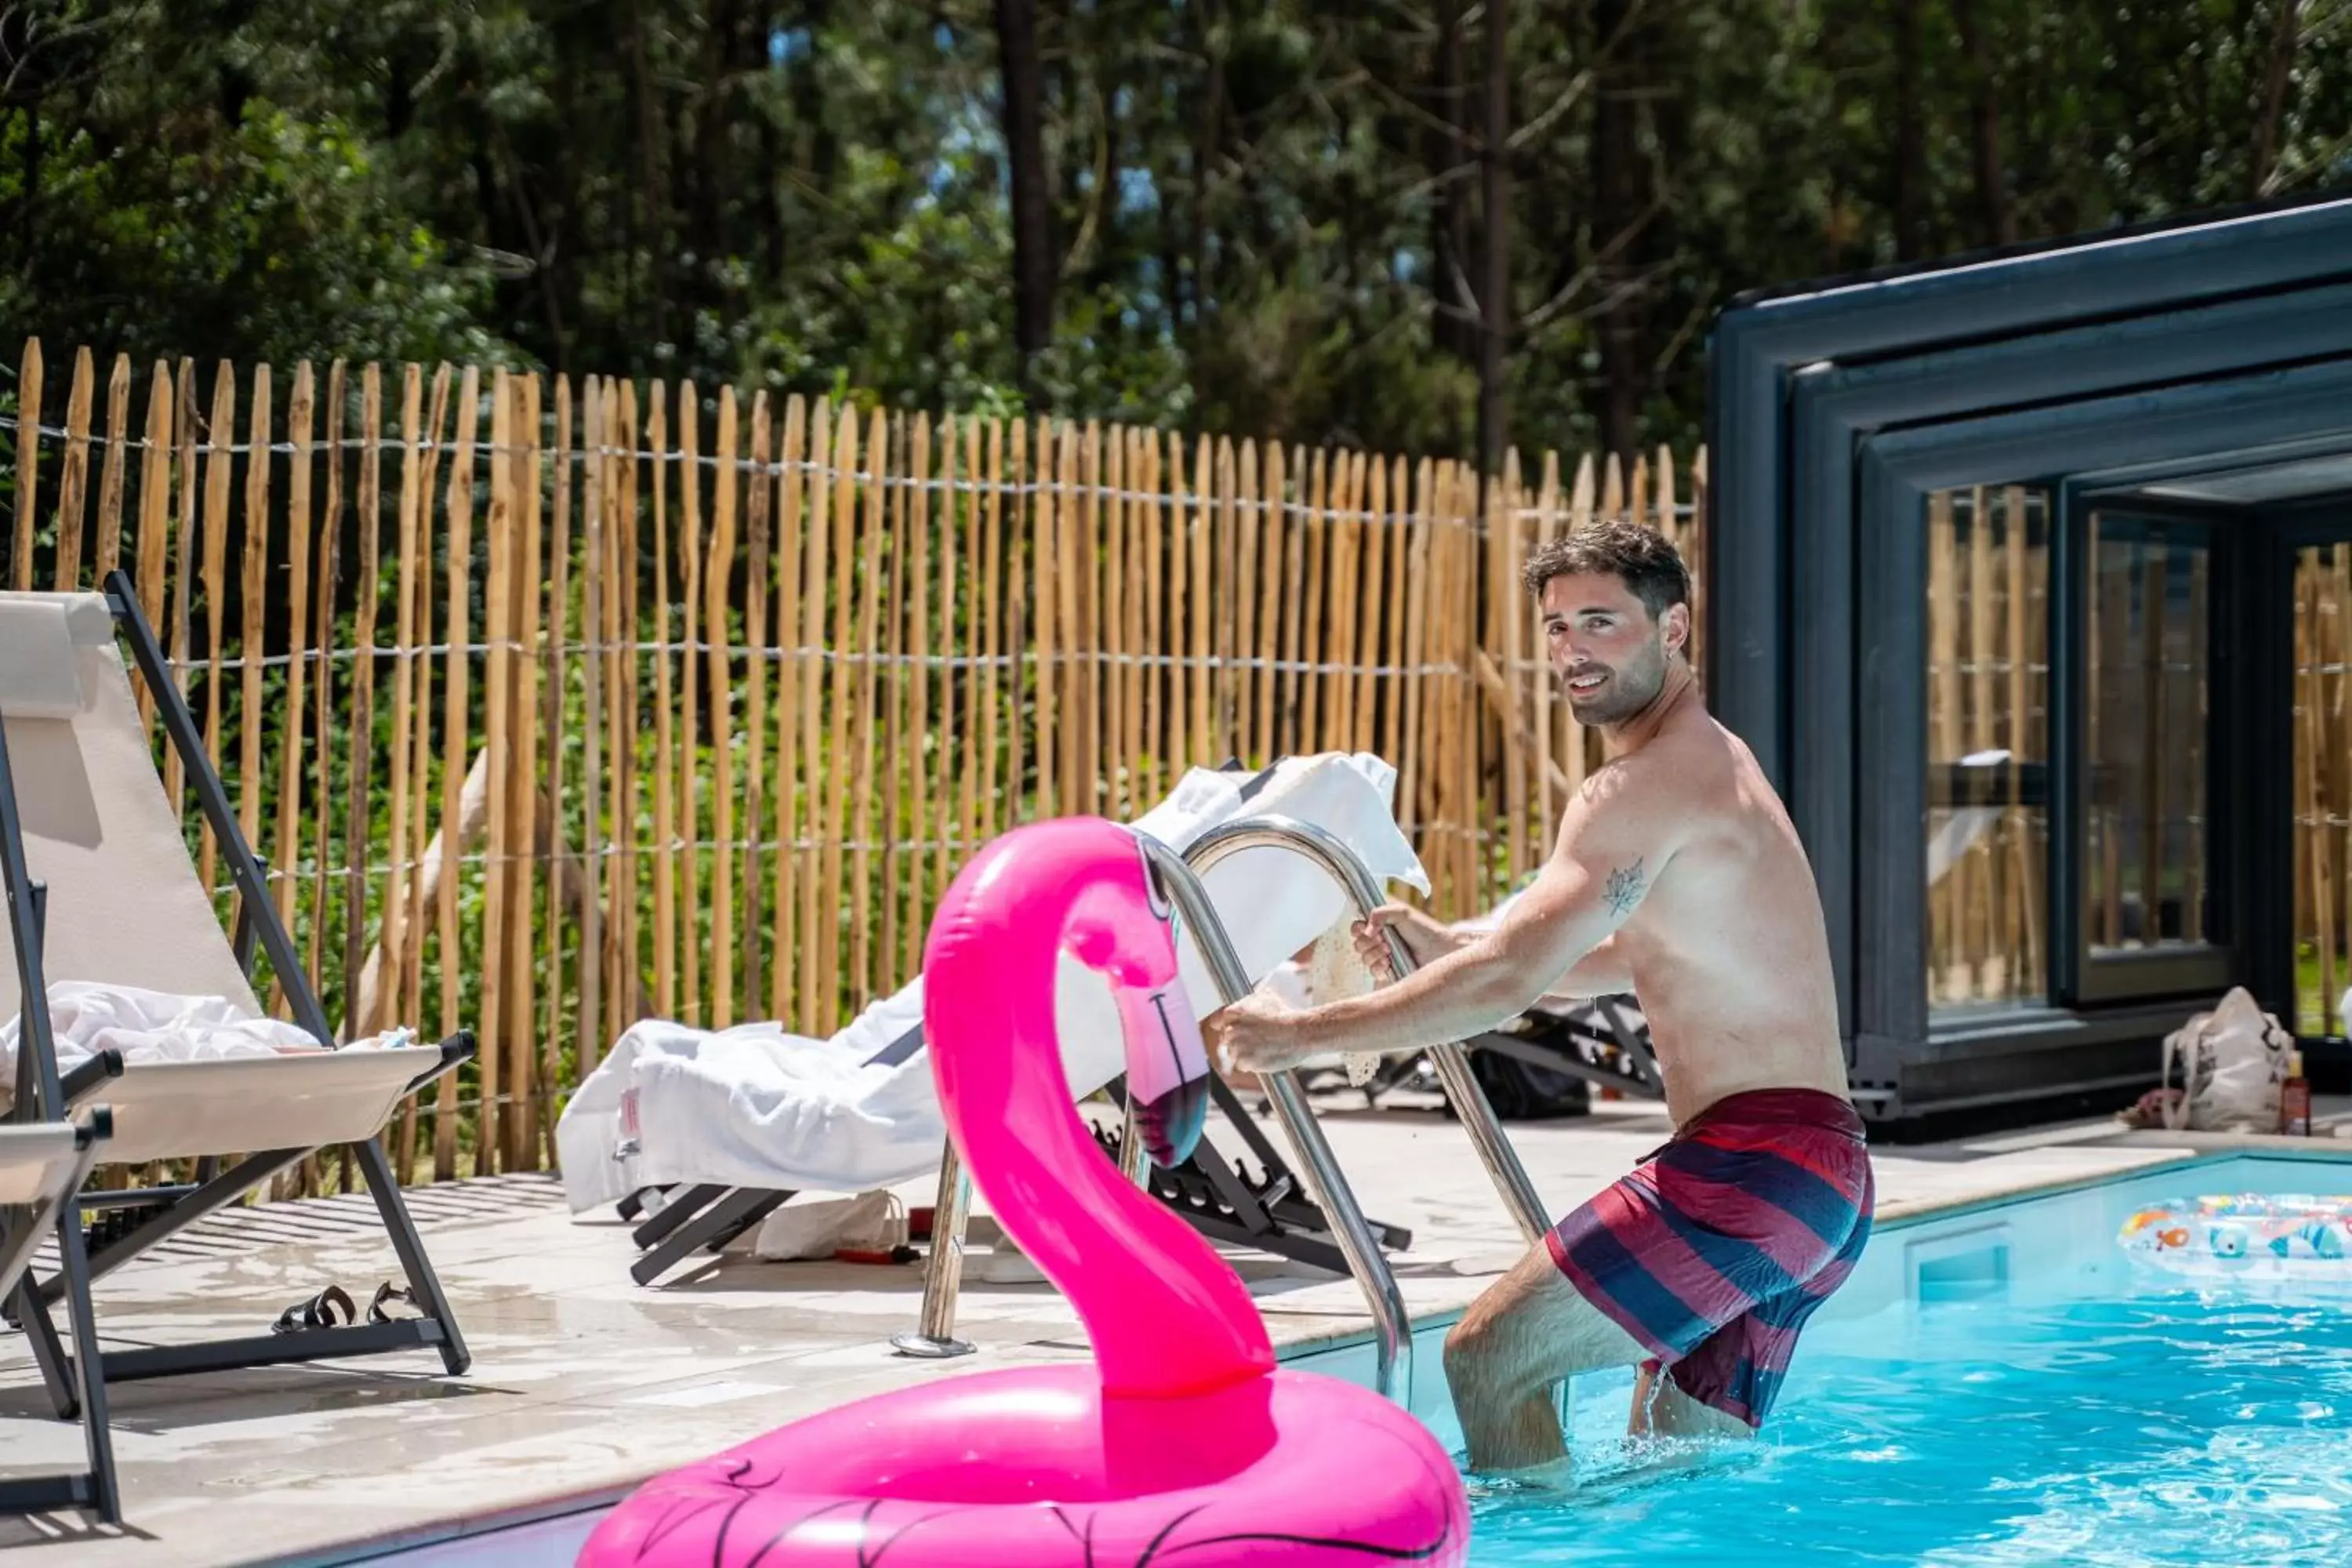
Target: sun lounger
<point>712,1132</point>
<point>42,1166</point>
<point>112,932</point>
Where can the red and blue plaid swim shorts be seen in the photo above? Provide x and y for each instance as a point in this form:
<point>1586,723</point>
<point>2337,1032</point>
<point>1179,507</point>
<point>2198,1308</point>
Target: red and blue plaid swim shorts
<point>1713,1251</point>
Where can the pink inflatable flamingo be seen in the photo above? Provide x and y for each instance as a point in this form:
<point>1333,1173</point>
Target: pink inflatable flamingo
<point>1184,1446</point>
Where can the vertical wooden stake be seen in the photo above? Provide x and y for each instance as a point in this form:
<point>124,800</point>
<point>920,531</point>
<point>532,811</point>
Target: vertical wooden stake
<point>759,646</point>
<point>156,515</point>
<point>691,907</point>
<point>718,576</point>
<point>359,774</point>
<point>456,754</point>
<point>493,1142</point>
<point>73,480</point>
<point>532,1084</point>
<point>891,890</point>
<point>220,439</point>
<point>300,415</point>
<point>995,571</point>
<point>872,539</point>
<point>791,762</point>
<point>843,484</point>
<point>817,1001</point>
<point>109,492</point>
<point>666,740</point>
<point>28,465</point>
<point>916,734</point>
<point>593,440</point>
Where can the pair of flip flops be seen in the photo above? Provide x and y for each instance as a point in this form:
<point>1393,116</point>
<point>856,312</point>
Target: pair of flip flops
<point>332,1308</point>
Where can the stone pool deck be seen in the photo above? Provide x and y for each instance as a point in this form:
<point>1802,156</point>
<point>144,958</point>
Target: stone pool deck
<point>582,1383</point>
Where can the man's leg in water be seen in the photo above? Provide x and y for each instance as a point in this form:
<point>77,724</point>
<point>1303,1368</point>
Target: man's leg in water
<point>1529,1329</point>
<point>1661,1410</point>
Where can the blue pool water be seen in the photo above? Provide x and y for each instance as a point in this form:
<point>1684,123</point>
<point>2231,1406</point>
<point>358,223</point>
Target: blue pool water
<point>2005,1388</point>
<point>1999,1385</point>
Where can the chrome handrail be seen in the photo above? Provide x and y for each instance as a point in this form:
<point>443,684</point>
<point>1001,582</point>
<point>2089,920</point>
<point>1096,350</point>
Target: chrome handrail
<point>934,1338</point>
<point>1453,1063</point>
<point>1391,1331</point>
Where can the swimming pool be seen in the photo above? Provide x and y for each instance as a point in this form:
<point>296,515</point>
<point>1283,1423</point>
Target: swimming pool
<point>1995,1384</point>
<point>2003,1386</point>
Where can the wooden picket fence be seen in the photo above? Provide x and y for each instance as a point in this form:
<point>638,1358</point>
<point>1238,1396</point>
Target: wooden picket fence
<point>555,705</point>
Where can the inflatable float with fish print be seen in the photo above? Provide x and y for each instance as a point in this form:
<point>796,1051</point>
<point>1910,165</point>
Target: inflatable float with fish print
<point>2287,1236</point>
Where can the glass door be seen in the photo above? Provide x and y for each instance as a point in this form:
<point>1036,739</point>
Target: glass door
<point>2149,904</point>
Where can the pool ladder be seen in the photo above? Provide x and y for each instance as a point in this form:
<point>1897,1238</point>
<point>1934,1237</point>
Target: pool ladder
<point>1179,877</point>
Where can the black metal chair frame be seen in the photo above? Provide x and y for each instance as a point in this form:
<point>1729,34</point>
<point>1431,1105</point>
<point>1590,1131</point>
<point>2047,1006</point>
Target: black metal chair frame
<point>1594,1041</point>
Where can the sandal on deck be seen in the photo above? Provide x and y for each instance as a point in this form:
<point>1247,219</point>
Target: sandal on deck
<point>388,1292</point>
<point>317,1312</point>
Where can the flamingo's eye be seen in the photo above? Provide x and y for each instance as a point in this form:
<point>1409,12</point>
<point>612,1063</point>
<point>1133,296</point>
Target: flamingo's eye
<point>1152,892</point>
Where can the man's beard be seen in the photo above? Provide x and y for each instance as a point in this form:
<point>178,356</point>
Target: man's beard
<point>1623,691</point>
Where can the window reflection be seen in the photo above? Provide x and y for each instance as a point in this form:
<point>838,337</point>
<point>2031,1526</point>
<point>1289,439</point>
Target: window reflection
<point>1988,745</point>
<point>2322,783</point>
<point>2145,881</point>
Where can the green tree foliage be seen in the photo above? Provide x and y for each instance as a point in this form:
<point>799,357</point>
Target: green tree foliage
<point>1265,214</point>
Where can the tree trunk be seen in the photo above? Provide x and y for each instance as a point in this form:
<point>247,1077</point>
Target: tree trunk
<point>1034,263</point>
<point>809,102</point>
<point>649,214</point>
<point>2273,106</point>
<point>1909,197</point>
<point>1443,145</point>
<point>1619,195</point>
<point>1984,122</point>
<point>714,179</point>
<point>1495,303</point>
<point>1204,167</point>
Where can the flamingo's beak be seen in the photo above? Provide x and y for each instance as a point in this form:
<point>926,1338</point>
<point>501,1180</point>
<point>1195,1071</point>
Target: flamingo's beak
<point>1167,1069</point>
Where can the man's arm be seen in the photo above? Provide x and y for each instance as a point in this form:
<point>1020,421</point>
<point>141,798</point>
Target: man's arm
<point>1617,836</point>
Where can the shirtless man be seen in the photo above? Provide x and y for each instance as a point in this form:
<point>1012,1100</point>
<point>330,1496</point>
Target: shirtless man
<point>1677,876</point>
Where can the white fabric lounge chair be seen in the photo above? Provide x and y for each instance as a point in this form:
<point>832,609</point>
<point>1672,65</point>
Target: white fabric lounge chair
<point>113,936</point>
<point>733,1122</point>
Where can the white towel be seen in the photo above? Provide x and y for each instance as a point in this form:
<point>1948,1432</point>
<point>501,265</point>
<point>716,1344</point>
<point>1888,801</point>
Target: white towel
<point>147,1026</point>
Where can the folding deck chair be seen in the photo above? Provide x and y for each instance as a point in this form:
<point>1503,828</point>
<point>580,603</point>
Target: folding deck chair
<point>42,1166</point>
<point>1221,1198</point>
<point>102,890</point>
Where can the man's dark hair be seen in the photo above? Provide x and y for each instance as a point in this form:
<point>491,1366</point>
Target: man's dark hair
<point>1642,557</point>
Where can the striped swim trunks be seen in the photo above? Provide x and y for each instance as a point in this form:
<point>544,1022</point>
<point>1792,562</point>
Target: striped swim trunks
<point>1713,1251</point>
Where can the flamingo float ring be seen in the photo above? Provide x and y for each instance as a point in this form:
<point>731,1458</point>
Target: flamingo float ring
<point>1183,1444</point>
